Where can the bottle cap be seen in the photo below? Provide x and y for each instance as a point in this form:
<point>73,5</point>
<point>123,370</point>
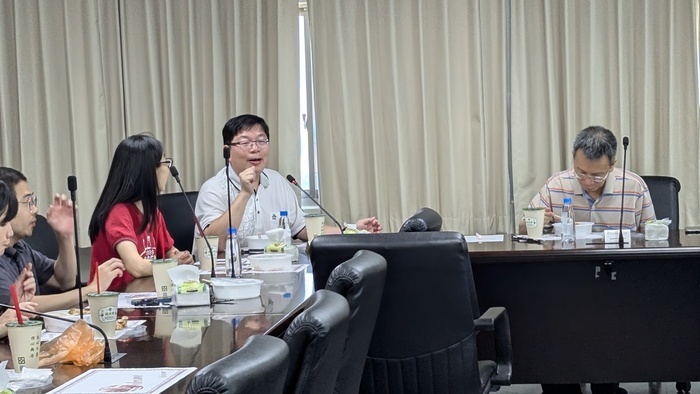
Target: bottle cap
<point>567,200</point>
<point>283,213</point>
<point>232,230</point>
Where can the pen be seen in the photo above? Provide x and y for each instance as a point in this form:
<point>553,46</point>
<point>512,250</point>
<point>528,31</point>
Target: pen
<point>526,239</point>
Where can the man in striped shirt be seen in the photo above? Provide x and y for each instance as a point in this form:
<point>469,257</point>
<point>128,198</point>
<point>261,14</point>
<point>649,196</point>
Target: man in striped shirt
<point>595,187</point>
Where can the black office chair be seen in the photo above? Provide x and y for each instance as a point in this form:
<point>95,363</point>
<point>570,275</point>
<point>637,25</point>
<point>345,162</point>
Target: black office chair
<point>315,339</point>
<point>178,218</point>
<point>664,194</point>
<point>425,219</point>
<point>361,281</point>
<point>424,339</point>
<point>259,366</point>
<point>43,239</point>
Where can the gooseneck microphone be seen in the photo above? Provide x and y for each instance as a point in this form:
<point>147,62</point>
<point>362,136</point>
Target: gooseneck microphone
<point>174,172</point>
<point>108,353</point>
<point>72,187</point>
<point>227,156</point>
<point>294,182</point>
<point>625,142</point>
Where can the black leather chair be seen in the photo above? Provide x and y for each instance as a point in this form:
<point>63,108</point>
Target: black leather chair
<point>664,194</point>
<point>178,218</point>
<point>43,239</point>
<point>260,366</point>
<point>361,281</point>
<point>425,219</point>
<point>315,339</point>
<point>424,340</point>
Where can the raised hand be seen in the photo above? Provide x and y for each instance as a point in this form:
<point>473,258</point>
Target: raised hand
<point>370,224</point>
<point>26,284</point>
<point>249,180</point>
<point>60,215</point>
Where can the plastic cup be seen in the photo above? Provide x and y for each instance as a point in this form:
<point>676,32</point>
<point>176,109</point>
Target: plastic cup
<point>161,277</point>
<point>25,340</point>
<point>103,310</point>
<point>314,225</point>
<point>534,221</point>
<point>204,255</point>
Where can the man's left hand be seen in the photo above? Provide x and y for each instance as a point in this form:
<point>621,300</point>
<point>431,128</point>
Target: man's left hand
<point>369,224</point>
<point>60,215</point>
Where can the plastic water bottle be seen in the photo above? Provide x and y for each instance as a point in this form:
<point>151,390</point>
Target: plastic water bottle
<point>568,224</point>
<point>288,248</point>
<point>233,261</point>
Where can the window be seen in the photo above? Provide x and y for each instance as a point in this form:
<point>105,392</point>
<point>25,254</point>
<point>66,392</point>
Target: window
<point>308,163</point>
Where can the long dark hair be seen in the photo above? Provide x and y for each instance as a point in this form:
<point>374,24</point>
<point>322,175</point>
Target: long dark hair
<point>8,203</point>
<point>132,178</point>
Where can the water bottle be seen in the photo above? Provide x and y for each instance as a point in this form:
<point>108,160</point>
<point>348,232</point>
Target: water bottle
<point>288,247</point>
<point>233,261</point>
<point>568,224</point>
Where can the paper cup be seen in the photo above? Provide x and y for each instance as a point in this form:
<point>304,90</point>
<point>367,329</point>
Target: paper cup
<point>314,225</point>
<point>103,310</point>
<point>534,221</point>
<point>164,285</point>
<point>165,323</point>
<point>25,340</point>
<point>204,255</point>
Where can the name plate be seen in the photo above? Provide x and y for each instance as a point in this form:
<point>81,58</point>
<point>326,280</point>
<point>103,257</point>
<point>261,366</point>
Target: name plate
<point>613,237</point>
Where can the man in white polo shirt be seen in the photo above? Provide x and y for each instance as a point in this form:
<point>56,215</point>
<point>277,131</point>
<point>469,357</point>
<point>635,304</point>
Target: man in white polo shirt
<point>256,191</point>
<point>594,185</point>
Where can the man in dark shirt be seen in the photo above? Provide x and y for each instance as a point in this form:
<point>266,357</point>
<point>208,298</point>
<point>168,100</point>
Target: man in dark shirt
<point>60,273</point>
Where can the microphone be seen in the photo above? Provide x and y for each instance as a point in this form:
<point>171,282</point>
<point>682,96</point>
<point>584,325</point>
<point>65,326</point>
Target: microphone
<point>227,156</point>
<point>625,142</point>
<point>294,182</point>
<point>108,353</point>
<point>72,187</point>
<point>174,172</point>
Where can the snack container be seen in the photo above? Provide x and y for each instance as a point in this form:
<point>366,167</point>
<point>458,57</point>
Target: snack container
<point>181,275</point>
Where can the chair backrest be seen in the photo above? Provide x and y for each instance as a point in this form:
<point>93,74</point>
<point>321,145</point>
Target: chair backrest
<point>178,218</point>
<point>425,219</point>
<point>424,339</point>
<point>260,366</point>
<point>664,194</point>
<point>361,281</point>
<point>315,339</point>
<point>43,239</point>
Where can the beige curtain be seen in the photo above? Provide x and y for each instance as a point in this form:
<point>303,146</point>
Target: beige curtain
<point>79,76</point>
<point>191,65</point>
<point>410,110</point>
<point>628,65</point>
<point>60,96</point>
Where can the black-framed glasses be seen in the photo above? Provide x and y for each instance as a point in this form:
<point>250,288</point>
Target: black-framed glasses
<point>249,144</point>
<point>594,178</point>
<point>167,161</point>
<point>30,201</point>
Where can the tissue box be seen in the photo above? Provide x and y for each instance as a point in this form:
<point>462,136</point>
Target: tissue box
<point>656,232</point>
<point>188,273</point>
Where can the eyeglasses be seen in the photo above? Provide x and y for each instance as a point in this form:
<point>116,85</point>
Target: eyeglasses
<point>31,202</point>
<point>167,160</point>
<point>249,144</point>
<point>594,178</point>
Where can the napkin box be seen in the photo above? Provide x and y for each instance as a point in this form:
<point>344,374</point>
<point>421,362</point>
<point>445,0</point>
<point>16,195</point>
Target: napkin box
<point>188,273</point>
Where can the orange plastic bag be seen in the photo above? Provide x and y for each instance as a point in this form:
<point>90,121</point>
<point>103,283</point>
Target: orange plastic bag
<point>76,345</point>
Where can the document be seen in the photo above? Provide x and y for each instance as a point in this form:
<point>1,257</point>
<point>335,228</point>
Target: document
<point>123,380</point>
<point>478,238</point>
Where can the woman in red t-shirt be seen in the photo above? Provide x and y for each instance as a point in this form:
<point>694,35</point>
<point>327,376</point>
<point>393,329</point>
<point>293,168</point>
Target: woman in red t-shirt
<point>126,222</point>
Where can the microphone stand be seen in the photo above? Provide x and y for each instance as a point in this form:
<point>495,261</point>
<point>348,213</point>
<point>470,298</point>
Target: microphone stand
<point>625,142</point>
<point>108,353</point>
<point>293,181</point>
<point>227,156</point>
<point>174,172</point>
<point>72,187</point>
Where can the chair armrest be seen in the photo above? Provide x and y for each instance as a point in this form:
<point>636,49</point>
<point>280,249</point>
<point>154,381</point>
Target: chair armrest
<point>496,319</point>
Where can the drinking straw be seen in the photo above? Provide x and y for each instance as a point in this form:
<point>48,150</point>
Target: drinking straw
<point>15,301</point>
<point>97,276</point>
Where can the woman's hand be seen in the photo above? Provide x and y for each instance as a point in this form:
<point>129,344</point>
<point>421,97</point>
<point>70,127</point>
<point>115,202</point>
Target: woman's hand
<point>184,257</point>
<point>108,270</point>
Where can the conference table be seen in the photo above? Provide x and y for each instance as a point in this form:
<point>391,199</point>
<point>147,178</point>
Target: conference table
<point>193,336</point>
<point>596,313</point>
